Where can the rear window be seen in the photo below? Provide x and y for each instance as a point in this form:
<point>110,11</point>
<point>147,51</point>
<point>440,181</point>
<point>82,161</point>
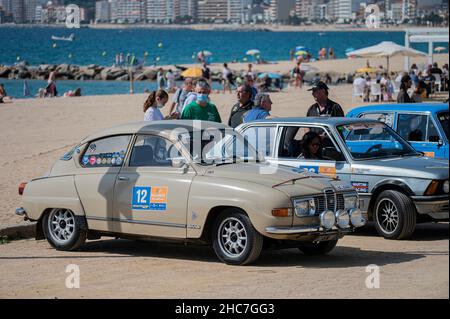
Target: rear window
<point>106,152</point>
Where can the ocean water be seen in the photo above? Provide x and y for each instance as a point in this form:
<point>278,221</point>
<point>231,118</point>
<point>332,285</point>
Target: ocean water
<point>99,46</point>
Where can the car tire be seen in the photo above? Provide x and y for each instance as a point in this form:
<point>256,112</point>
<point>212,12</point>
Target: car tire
<point>235,240</point>
<point>64,230</point>
<point>394,215</point>
<point>316,249</point>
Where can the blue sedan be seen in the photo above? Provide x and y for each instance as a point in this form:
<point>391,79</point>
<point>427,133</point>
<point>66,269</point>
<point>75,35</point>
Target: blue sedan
<point>423,125</point>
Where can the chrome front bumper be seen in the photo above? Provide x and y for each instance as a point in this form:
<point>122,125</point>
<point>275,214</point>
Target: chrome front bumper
<point>312,230</point>
<point>435,206</point>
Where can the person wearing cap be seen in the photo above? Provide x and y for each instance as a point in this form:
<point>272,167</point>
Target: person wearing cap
<point>242,107</point>
<point>323,106</point>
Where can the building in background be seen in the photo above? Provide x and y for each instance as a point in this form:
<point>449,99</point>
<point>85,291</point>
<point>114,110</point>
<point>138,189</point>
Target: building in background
<point>340,10</point>
<point>102,11</point>
<point>6,5</point>
<point>409,10</point>
<point>280,10</point>
<point>128,11</point>
<point>220,11</point>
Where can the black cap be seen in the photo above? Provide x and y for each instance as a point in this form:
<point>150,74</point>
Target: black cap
<point>319,86</point>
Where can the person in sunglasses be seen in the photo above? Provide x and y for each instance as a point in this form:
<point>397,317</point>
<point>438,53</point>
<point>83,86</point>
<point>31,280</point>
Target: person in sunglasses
<point>312,146</point>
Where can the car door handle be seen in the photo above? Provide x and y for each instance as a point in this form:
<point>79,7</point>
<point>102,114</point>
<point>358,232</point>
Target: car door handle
<point>123,178</point>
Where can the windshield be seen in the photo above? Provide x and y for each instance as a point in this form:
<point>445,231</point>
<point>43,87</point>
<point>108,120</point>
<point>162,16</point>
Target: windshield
<point>218,147</point>
<point>443,120</point>
<point>373,140</point>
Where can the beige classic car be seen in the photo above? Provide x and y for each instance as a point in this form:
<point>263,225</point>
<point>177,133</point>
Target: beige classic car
<point>190,181</point>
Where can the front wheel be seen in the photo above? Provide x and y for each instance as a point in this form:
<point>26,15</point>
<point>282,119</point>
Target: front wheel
<point>394,215</point>
<point>63,229</point>
<point>315,249</point>
<point>235,240</point>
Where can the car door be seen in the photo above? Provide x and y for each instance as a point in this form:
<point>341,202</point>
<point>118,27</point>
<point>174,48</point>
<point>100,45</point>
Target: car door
<point>151,195</point>
<point>420,131</point>
<point>289,152</point>
<point>99,166</point>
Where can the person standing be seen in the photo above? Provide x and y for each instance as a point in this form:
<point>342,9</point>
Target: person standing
<point>323,106</point>
<point>201,109</point>
<point>227,78</point>
<point>160,79</point>
<point>405,85</point>
<point>297,74</point>
<point>206,73</point>
<point>153,105</point>
<point>170,77</point>
<point>181,95</point>
<point>242,107</point>
<point>261,110</point>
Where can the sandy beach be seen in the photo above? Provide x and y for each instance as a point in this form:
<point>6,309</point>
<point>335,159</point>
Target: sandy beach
<point>36,132</point>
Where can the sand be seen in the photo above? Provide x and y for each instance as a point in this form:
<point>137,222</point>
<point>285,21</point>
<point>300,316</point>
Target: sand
<point>36,132</point>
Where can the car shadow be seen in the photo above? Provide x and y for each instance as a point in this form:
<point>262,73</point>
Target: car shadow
<point>340,257</point>
<point>423,232</point>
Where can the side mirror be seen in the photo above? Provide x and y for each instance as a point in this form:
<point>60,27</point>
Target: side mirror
<point>436,139</point>
<point>178,162</point>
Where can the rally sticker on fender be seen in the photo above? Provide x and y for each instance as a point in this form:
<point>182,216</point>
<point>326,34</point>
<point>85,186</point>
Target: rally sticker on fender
<point>324,170</point>
<point>149,198</point>
<point>361,187</point>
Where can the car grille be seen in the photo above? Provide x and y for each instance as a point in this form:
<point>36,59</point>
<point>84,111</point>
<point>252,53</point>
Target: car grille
<point>329,201</point>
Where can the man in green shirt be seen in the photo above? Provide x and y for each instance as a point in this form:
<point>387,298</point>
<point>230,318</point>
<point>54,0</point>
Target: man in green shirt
<point>201,108</point>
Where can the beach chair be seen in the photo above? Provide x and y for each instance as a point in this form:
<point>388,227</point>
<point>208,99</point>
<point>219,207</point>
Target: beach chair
<point>375,90</point>
<point>357,92</point>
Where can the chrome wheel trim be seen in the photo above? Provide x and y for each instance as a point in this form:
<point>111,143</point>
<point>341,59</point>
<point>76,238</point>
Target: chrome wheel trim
<point>387,216</point>
<point>61,225</point>
<point>232,237</point>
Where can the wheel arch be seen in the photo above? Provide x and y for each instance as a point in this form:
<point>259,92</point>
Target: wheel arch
<point>394,185</point>
<point>212,215</point>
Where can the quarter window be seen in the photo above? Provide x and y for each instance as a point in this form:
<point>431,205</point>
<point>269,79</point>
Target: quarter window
<point>153,151</point>
<point>262,138</point>
<point>106,152</point>
<point>416,127</point>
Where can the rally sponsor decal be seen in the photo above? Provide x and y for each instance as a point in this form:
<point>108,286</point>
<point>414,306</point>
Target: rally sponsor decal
<point>323,170</point>
<point>429,154</point>
<point>149,198</point>
<point>361,187</point>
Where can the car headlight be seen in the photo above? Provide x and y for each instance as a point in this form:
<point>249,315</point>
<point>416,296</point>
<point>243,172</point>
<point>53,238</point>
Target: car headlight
<point>327,219</point>
<point>356,218</point>
<point>304,207</point>
<point>445,187</point>
<point>342,219</point>
<point>350,202</point>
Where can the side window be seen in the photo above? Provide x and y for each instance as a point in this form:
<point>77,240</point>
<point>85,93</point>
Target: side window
<point>413,127</point>
<point>151,151</point>
<point>432,132</point>
<point>262,138</point>
<point>106,152</point>
<point>385,117</point>
<point>308,143</point>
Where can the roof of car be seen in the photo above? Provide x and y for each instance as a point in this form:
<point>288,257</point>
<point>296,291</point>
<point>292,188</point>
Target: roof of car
<point>410,107</point>
<point>331,121</point>
<point>153,127</point>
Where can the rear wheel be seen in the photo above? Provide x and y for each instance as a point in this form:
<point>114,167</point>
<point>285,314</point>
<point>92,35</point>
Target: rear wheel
<point>235,240</point>
<point>63,229</point>
<point>394,215</point>
<point>320,248</point>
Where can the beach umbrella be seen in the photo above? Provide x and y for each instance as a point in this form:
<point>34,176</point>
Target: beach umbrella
<point>205,53</point>
<point>301,48</point>
<point>349,50</point>
<point>301,53</point>
<point>366,70</point>
<point>439,49</point>
<point>386,49</point>
<point>270,75</point>
<point>253,52</point>
<point>192,73</point>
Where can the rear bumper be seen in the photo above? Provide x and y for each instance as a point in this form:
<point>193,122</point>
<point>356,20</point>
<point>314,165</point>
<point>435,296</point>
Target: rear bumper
<point>436,207</point>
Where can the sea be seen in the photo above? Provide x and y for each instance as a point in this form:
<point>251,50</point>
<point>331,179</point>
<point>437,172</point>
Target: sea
<point>163,47</point>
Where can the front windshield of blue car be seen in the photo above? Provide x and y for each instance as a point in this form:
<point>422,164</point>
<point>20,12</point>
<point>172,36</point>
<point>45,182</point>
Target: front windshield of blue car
<point>373,140</point>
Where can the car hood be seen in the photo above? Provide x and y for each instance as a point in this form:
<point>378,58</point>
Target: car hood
<point>419,167</point>
<point>275,176</point>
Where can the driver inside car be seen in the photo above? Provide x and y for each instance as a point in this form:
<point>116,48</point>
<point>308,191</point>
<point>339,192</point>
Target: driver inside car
<point>312,146</point>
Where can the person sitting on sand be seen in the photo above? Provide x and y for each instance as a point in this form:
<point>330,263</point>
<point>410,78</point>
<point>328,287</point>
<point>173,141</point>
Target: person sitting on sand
<point>156,101</point>
<point>3,96</point>
<point>76,92</point>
